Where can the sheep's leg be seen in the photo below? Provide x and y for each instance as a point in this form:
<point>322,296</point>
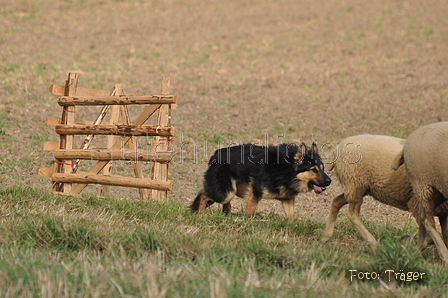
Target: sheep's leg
<point>421,235</point>
<point>444,224</point>
<point>424,240</point>
<point>336,205</point>
<point>288,207</point>
<point>431,229</point>
<point>425,195</point>
<point>353,215</point>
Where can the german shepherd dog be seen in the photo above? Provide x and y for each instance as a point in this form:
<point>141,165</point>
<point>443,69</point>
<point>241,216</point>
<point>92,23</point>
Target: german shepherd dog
<point>257,172</point>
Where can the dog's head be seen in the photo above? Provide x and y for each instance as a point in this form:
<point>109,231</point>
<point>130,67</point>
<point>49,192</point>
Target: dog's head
<point>310,170</point>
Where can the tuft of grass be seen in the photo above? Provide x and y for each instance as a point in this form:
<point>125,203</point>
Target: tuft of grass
<point>396,258</point>
<point>53,233</point>
<point>9,68</point>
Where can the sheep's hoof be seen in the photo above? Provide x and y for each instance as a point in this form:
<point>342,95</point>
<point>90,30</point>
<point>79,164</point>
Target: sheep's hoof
<point>324,238</point>
<point>373,244</point>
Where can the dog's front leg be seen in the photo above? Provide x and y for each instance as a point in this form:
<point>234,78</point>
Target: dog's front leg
<point>288,207</point>
<point>251,203</point>
<point>226,208</point>
<point>203,200</point>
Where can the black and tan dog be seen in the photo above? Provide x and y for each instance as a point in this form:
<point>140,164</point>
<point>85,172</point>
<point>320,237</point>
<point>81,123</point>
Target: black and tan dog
<point>256,172</point>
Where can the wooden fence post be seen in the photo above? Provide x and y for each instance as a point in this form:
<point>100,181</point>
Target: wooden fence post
<point>66,141</point>
<point>163,119</point>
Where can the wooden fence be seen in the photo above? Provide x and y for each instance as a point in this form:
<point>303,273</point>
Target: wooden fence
<point>121,139</point>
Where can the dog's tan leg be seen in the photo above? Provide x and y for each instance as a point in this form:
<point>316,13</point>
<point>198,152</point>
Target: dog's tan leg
<point>251,203</point>
<point>226,203</point>
<point>336,205</point>
<point>203,203</point>
<point>353,215</point>
<point>288,207</point>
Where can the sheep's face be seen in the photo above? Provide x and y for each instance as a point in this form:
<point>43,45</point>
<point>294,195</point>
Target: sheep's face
<point>311,175</point>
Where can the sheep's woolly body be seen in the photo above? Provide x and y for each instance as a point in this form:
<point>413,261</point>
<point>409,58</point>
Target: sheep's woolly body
<point>426,160</point>
<point>364,165</point>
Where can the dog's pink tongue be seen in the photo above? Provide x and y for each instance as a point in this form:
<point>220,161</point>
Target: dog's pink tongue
<point>317,189</point>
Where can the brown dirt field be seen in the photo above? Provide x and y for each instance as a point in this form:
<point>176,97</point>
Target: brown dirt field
<point>292,71</point>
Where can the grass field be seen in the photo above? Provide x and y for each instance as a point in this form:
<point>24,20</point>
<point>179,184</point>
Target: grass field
<point>55,246</point>
<point>244,71</point>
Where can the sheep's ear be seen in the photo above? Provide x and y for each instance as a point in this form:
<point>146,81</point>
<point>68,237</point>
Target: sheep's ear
<point>300,153</point>
<point>314,150</point>
<point>397,161</point>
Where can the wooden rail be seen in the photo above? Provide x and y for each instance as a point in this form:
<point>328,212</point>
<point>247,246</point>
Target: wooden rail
<point>121,139</point>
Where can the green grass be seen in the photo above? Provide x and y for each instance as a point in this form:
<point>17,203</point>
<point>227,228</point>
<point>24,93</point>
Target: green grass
<point>3,117</point>
<point>58,246</point>
<point>39,138</point>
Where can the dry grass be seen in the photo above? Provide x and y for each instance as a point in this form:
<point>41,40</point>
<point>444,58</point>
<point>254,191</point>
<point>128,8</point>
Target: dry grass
<point>308,70</point>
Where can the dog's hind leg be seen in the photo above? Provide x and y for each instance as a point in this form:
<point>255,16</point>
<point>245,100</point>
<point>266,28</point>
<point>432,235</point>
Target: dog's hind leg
<point>226,206</point>
<point>288,208</point>
<point>336,205</point>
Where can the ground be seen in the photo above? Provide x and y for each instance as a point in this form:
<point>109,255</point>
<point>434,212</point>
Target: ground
<point>244,71</point>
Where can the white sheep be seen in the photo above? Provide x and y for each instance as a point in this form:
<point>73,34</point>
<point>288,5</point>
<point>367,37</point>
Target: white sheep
<point>363,167</point>
<point>425,157</point>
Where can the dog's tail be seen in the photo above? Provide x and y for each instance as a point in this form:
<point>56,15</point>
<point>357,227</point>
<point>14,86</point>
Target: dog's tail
<point>195,205</point>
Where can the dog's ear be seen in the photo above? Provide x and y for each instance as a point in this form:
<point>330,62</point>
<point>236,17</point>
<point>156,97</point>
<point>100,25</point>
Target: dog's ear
<point>314,150</point>
<point>301,152</point>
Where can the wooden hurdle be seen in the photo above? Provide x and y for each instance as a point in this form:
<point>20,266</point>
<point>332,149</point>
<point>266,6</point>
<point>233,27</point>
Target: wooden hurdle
<point>121,139</point>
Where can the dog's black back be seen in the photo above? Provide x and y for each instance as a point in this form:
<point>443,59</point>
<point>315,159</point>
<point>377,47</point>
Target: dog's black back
<point>266,167</point>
